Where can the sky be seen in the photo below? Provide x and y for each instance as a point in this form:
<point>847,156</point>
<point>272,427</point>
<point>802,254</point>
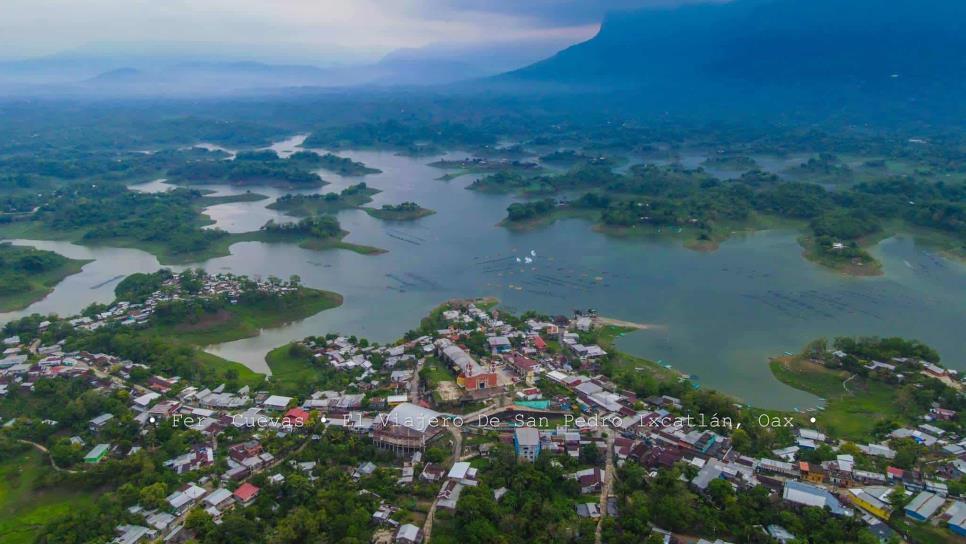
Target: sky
<point>317,30</point>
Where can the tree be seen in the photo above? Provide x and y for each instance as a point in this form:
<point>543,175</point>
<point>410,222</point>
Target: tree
<point>590,454</point>
<point>152,496</point>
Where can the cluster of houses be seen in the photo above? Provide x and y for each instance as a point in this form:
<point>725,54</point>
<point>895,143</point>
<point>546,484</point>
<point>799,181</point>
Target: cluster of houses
<point>649,431</point>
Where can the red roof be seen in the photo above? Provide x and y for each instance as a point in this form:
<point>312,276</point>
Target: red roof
<point>523,362</point>
<point>539,343</point>
<point>246,492</point>
<point>893,471</point>
<point>297,414</point>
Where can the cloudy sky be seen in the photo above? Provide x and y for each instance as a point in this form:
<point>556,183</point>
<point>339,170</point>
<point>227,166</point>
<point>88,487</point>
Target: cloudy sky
<point>330,30</point>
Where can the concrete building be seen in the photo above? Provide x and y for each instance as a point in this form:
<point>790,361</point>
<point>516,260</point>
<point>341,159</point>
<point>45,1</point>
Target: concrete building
<point>526,442</point>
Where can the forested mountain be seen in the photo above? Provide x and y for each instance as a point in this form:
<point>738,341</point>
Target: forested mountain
<point>772,51</point>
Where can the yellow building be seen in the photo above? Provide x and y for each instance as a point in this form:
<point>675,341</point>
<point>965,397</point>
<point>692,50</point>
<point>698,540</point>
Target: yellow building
<point>866,499</point>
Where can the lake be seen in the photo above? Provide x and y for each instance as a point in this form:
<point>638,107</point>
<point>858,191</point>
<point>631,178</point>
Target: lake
<point>718,315</point>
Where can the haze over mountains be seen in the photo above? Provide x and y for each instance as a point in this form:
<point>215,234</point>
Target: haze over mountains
<point>743,53</point>
<point>203,69</point>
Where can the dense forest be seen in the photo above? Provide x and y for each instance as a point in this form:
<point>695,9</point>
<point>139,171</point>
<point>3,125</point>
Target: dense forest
<point>111,212</point>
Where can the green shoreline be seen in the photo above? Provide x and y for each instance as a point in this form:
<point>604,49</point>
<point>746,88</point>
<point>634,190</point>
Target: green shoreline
<point>41,285</point>
<point>944,244</point>
<point>218,248</point>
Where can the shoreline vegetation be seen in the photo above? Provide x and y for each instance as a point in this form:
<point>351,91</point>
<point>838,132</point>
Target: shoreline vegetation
<point>860,399</point>
<point>27,275</point>
<point>316,232</point>
<point>837,228</point>
<point>304,205</point>
<point>168,225</point>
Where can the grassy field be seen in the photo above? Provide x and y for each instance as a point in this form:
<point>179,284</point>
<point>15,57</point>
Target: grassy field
<point>852,410</point>
<point>925,533</point>
<point>294,374</point>
<point>246,376</point>
<point>436,371</point>
<point>24,507</point>
<point>289,370</point>
<point>40,286</point>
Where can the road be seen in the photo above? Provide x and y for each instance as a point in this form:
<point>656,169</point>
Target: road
<point>457,453</point>
<point>605,489</point>
<point>49,456</point>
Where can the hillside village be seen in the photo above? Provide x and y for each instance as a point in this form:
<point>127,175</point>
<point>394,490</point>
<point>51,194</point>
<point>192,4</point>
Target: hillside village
<point>430,416</point>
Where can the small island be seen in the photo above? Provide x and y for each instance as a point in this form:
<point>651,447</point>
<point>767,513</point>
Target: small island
<point>28,275</point>
<point>263,167</point>
<point>333,163</point>
<point>316,232</point>
<point>300,205</point>
<point>407,211</point>
<point>479,165</point>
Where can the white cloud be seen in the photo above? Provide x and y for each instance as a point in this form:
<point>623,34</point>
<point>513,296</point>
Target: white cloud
<point>367,27</point>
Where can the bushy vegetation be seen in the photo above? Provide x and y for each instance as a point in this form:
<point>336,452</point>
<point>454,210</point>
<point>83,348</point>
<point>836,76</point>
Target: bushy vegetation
<point>322,227</point>
<point>247,167</point>
<point>23,269</point>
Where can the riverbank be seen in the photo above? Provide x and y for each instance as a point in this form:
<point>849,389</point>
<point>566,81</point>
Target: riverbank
<point>23,288</point>
<point>854,405</point>
<point>219,247</point>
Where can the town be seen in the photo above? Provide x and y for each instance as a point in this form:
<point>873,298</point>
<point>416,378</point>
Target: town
<point>420,425</point>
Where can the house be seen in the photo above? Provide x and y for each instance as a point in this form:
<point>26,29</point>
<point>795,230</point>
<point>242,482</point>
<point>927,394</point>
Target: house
<point>811,472</point>
<point>526,443</point>
<point>463,473</point>
<point>955,517</point>
<point>296,417</point>
<point>409,534</point>
<point>589,480</point>
<point>396,400</point>
<point>244,450</point>
<point>524,367</point>
<point>97,453</point>
<point>869,499</point>
<point>432,472</point>
<point>499,344</point>
<point>711,471</point>
<point>803,494</point>
<point>406,428</point>
<point>449,495</point>
<point>132,534</point>
<point>943,414</point>
<point>220,498</point>
<point>364,469</point>
<point>246,493</point>
<point>923,506</point>
<point>588,510</point>
<point>779,533</point>
<point>276,402</point>
<point>99,422</point>
<point>185,498</point>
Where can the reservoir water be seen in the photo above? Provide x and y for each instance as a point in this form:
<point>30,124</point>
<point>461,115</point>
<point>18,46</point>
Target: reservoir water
<point>719,315</point>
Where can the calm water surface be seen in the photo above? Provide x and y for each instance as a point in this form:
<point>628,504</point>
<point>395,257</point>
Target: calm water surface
<point>718,315</point>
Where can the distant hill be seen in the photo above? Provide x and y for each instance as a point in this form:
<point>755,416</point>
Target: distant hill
<point>120,74</point>
<point>840,49</point>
